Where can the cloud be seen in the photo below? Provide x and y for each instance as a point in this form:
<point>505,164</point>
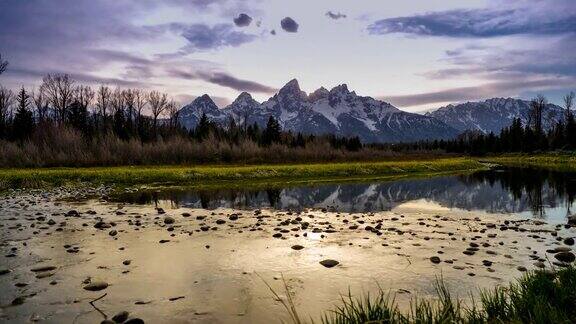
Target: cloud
<point>289,25</point>
<point>204,37</point>
<point>511,17</point>
<point>488,90</point>
<point>66,37</point>
<point>243,20</point>
<point>335,16</point>
<point>225,80</point>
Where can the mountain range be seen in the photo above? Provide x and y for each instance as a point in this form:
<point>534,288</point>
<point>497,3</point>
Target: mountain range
<point>342,112</point>
<point>493,114</point>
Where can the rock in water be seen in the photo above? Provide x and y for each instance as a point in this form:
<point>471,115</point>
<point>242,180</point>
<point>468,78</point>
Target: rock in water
<point>134,321</point>
<point>329,263</point>
<point>43,269</point>
<point>18,301</point>
<point>567,257</point>
<point>121,317</point>
<point>96,286</point>
<point>569,241</point>
<point>435,259</point>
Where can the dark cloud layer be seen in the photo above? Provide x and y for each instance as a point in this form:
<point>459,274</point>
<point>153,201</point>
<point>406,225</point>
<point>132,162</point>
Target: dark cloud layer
<point>225,80</point>
<point>66,36</point>
<point>243,20</point>
<point>289,25</point>
<point>540,18</point>
<point>527,63</point>
<point>334,15</point>
<point>203,37</point>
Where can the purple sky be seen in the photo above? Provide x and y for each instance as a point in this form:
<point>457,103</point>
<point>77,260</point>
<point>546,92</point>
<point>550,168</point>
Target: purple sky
<point>416,54</point>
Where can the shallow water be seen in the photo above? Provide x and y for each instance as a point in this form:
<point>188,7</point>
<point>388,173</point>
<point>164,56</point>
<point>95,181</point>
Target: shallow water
<point>220,254</point>
<point>534,193</point>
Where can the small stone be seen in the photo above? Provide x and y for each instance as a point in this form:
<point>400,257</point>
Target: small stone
<point>169,220</point>
<point>113,233</point>
<point>297,247</point>
<point>121,317</point>
<point>134,321</point>
<point>43,269</point>
<point>18,301</point>
<point>566,257</point>
<point>329,263</point>
<point>539,264</point>
<point>569,241</point>
<point>96,286</point>
<point>126,262</point>
<point>435,259</point>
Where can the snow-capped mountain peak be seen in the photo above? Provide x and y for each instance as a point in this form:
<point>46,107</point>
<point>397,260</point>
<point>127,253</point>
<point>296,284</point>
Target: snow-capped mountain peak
<point>493,114</point>
<point>320,93</point>
<point>338,111</point>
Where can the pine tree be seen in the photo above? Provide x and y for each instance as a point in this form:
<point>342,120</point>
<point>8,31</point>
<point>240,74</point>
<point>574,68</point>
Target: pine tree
<point>203,128</point>
<point>23,124</point>
<point>272,132</point>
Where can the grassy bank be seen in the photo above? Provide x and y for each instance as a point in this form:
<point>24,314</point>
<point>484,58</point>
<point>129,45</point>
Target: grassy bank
<point>552,161</point>
<point>205,175</point>
<point>538,297</point>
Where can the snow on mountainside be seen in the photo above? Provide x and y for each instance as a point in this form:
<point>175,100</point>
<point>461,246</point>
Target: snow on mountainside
<point>493,114</point>
<point>190,114</point>
<point>337,111</point>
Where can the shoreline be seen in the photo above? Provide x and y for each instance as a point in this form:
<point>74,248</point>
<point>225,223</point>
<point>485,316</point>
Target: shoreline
<point>273,174</point>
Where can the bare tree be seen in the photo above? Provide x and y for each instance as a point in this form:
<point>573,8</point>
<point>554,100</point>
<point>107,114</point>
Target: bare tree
<point>84,95</point>
<point>140,102</point>
<point>157,102</point>
<point>568,104</point>
<point>59,89</point>
<point>3,65</point>
<point>103,98</point>
<point>6,102</point>
<point>537,106</point>
<point>41,104</point>
<point>173,113</point>
<point>117,101</point>
<point>130,102</point>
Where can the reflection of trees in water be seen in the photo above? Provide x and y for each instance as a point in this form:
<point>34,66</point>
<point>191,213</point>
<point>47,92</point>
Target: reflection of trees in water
<point>532,183</point>
<point>273,197</point>
<point>515,190</point>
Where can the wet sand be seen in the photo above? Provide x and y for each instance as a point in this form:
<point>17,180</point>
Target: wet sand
<point>182,265</point>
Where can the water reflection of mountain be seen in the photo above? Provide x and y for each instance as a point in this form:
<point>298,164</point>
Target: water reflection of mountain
<point>510,191</point>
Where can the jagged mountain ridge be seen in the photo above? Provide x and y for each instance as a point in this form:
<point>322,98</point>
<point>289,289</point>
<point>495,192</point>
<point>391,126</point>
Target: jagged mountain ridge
<point>337,111</point>
<point>493,114</point>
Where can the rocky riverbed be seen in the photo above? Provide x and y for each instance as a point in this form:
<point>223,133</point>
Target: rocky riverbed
<point>72,256</point>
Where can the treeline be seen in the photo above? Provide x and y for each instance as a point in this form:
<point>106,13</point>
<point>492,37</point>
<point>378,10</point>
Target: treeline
<point>66,123</point>
<point>518,137</point>
<point>59,103</point>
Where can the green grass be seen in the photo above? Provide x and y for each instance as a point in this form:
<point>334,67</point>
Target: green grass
<point>210,175</point>
<point>560,161</point>
<point>538,297</point>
